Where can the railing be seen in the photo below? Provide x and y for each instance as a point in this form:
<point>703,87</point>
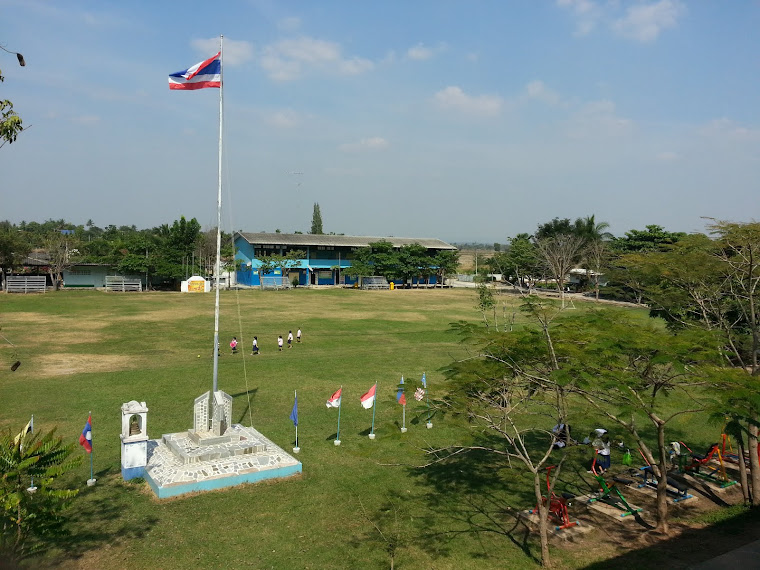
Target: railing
<point>26,284</point>
<point>122,284</point>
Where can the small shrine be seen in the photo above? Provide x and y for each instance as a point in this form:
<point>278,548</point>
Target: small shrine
<point>134,439</point>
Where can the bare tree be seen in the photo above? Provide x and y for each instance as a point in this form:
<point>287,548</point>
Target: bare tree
<point>560,254</point>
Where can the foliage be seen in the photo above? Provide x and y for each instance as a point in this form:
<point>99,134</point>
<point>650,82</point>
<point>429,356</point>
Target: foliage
<point>31,518</point>
<point>10,123</point>
<point>653,238</point>
<point>316,220</point>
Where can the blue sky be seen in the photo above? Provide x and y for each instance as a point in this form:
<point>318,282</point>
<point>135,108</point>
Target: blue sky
<point>462,120</point>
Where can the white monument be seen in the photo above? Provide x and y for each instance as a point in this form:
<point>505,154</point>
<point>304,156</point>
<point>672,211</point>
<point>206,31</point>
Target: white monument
<point>134,439</point>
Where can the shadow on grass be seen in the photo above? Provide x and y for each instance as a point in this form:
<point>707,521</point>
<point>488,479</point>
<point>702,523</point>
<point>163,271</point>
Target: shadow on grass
<point>249,393</point>
<point>472,493</point>
<point>692,546</point>
<point>98,519</point>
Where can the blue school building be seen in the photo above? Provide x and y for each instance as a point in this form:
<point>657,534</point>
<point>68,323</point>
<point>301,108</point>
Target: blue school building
<point>325,260</point>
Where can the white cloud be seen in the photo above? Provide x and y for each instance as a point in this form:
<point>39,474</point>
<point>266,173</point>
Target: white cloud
<point>726,129</point>
<point>453,97</point>
<point>586,12</point>
<point>236,52</point>
<point>285,119</point>
<point>288,59</point>
<point>645,22</point>
<point>537,90</point>
<point>419,52</point>
<point>598,119</point>
<point>368,144</point>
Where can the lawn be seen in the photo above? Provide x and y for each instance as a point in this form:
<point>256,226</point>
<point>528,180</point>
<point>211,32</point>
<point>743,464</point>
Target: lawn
<point>87,351</point>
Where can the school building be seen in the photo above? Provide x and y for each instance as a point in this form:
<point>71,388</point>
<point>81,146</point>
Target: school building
<point>326,256</point>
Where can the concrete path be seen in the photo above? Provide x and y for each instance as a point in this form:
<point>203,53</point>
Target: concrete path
<point>748,556</point>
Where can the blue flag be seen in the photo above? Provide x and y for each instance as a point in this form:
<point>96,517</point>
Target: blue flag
<point>424,382</point>
<point>294,413</point>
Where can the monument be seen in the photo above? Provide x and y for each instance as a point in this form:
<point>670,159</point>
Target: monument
<point>134,439</point>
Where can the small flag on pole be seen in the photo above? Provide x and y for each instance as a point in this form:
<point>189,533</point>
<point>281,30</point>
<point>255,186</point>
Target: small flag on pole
<point>85,440</point>
<point>368,399</point>
<point>334,401</point>
<point>400,396</point>
<point>294,412</point>
<point>424,382</point>
<point>200,76</point>
<point>28,428</point>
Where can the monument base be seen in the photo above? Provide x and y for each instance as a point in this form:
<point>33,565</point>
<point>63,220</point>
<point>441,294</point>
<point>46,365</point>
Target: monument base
<point>128,473</point>
<point>247,456</point>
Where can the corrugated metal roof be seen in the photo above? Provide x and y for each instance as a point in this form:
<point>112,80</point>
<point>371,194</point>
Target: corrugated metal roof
<point>296,240</point>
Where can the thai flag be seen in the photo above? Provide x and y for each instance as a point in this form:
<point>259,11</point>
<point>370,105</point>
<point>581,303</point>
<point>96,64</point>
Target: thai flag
<point>368,399</point>
<point>85,440</point>
<point>400,396</point>
<point>204,74</point>
<point>334,401</point>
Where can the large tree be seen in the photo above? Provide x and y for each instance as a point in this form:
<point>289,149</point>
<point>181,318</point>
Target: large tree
<point>560,254</point>
<point>10,122</point>
<point>316,220</point>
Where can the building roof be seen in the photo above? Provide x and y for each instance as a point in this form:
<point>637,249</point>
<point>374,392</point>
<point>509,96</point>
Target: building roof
<point>302,240</point>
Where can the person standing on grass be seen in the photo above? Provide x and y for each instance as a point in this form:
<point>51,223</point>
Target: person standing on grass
<point>290,339</point>
<point>255,348</point>
<point>233,345</point>
<point>279,342</point>
<point>298,336</point>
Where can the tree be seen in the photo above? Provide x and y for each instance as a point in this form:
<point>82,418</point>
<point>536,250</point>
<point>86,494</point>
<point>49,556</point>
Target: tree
<point>625,369</point>
<point>413,261</point>
<point>653,238</point>
<point>10,123</point>
<point>29,519</point>
<point>446,263</point>
<point>560,254</point>
<point>62,250</point>
<point>316,221</point>
<point>14,247</point>
<point>287,262</point>
<point>554,228</point>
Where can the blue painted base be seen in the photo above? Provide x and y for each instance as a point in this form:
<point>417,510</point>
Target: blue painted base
<point>128,473</point>
<point>222,482</point>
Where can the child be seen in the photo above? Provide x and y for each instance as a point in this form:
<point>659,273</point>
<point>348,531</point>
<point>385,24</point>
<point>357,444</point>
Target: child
<point>290,339</point>
<point>298,336</point>
<point>233,345</point>
<point>279,342</point>
<point>255,349</point>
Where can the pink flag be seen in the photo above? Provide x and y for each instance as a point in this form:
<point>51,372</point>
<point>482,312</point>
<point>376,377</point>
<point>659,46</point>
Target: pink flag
<point>368,399</point>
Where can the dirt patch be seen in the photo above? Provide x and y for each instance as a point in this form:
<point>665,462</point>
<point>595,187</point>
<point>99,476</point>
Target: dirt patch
<point>67,364</point>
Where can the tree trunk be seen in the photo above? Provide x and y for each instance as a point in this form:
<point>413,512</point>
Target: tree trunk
<point>543,523</point>
<point>662,482</point>
<point>754,465</point>
<point>742,469</point>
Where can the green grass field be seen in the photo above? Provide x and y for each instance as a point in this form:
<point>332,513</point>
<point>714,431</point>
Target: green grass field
<point>87,351</point>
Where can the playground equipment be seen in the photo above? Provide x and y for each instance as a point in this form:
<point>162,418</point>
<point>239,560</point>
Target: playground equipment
<point>557,505</point>
<point>694,464</point>
<point>610,494</point>
<point>677,490</point>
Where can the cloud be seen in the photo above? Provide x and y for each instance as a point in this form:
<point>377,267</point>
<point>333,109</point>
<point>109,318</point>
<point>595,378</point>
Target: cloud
<point>598,119</point>
<point>727,130</point>
<point>586,12</point>
<point>288,59</point>
<point>285,119</point>
<point>453,97</point>
<point>645,22</point>
<point>369,144</point>
<point>419,52</point>
<point>537,90</point>
<point>236,52</point>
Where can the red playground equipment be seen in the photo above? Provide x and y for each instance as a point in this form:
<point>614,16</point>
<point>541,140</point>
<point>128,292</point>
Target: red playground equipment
<point>557,505</point>
<point>698,460</point>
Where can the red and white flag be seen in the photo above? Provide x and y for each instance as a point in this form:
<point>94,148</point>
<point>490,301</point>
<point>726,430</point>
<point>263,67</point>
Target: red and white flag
<point>334,401</point>
<point>368,399</point>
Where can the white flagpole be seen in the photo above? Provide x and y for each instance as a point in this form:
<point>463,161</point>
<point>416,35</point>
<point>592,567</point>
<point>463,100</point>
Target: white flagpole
<point>218,217</point>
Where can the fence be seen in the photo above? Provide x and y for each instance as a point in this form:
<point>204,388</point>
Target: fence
<point>122,284</point>
<point>276,282</point>
<point>25,283</point>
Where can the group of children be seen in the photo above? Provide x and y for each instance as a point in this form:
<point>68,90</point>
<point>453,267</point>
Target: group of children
<point>255,346</point>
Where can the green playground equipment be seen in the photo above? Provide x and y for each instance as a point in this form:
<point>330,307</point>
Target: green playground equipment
<point>610,494</point>
<point>694,464</point>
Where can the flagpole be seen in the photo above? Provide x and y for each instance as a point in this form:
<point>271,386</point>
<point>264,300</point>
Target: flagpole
<point>337,435</point>
<point>217,268</point>
<point>32,488</point>
<point>427,398</point>
<point>296,449</point>
<point>374,407</point>
<point>91,480</point>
